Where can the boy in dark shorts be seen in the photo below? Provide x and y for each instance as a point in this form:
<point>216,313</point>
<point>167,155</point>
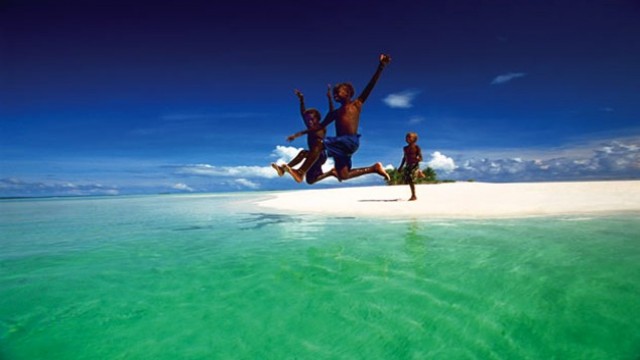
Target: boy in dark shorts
<point>347,140</point>
<point>313,170</point>
<point>410,165</point>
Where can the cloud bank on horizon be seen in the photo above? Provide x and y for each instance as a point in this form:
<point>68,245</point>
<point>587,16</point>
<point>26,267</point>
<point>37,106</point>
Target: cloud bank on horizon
<point>13,187</point>
<point>611,160</point>
<point>605,160</point>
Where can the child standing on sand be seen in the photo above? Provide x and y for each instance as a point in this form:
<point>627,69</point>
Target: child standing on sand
<point>410,165</point>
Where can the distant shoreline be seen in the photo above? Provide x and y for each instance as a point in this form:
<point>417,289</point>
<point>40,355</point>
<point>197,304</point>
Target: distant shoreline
<point>465,200</point>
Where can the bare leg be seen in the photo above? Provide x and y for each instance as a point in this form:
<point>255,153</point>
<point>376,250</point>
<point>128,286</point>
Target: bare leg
<point>344,173</point>
<point>412,186</point>
<point>329,173</point>
<point>298,175</point>
<point>296,160</point>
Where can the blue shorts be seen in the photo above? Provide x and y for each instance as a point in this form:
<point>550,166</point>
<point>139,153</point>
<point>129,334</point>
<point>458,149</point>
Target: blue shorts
<point>341,148</point>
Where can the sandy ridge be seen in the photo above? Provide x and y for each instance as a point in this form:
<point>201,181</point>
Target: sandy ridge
<point>464,200</point>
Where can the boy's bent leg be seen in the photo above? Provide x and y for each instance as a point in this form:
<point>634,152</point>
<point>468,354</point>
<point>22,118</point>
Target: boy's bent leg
<point>342,167</point>
<point>295,174</point>
<point>312,157</point>
<point>382,172</point>
<point>296,160</point>
<point>315,179</point>
<point>281,169</point>
<point>377,168</point>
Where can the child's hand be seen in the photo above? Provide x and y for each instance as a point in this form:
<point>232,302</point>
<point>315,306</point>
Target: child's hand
<point>385,59</point>
<point>298,94</point>
<point>329,90</point>
<point>290,138</point>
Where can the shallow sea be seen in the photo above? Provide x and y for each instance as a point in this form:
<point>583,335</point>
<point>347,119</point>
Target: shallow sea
<point>213,277</point>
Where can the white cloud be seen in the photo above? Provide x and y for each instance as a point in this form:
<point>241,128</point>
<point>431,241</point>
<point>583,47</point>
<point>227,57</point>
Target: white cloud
<point>614,159</point>
<point>284,154</point>
<point>247,183</point>
<point>505,78</point>
<point>227,171</point>
<point>401,100</point>
<point>182,187</point>
<point>328,165</point>
<point>441,162</point>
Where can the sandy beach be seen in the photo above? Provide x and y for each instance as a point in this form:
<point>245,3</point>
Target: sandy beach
<point>465,200</point>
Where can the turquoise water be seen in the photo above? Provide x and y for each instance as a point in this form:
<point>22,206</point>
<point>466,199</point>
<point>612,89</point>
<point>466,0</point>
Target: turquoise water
<point>211,277</point>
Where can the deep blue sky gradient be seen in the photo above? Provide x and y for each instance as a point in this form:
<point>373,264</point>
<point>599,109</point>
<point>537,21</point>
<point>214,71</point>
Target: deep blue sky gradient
<point>142,97</point>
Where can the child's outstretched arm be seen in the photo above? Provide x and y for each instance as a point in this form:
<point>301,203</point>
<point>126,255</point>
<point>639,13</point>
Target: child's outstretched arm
<point>296,135</point>
<point>384,61</point>
<point>326,121</point>
<point>331,116</point>
<point>301,98</point>
<point>331,108</point>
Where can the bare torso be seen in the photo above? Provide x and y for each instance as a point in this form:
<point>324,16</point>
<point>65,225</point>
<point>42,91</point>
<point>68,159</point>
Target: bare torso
<point>347,118</point>
<point>314,138</point>
<point>412,154</point>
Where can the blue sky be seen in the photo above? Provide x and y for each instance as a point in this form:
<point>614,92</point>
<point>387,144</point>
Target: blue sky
<point>127,97</point>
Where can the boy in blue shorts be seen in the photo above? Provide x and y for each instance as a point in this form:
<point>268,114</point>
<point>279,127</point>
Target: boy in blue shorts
<point>347,140</point>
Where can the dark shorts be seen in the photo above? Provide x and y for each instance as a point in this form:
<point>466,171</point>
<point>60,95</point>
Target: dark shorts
<point>341,148</point>
<point>316,169</point>
<point>408,173</point>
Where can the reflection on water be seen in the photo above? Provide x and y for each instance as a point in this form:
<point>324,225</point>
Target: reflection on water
<point>260,220</point>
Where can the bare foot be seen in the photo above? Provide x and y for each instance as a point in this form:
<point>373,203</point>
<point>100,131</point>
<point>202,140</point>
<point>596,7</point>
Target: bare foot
<point>278,169</point>
<point>295,174</point>
<point>380,170</point>
<point>413,198</point>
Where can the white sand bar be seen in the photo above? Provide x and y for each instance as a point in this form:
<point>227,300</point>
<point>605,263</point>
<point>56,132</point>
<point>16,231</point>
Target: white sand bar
<point>464,200</point>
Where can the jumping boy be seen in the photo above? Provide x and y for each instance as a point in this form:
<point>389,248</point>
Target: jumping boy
<point>347,140</point>
<point>411,162</point>
<point>313,170</point>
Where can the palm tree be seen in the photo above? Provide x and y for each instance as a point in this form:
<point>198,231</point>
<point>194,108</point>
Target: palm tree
<point>396,177</point>
<point>430,176</point>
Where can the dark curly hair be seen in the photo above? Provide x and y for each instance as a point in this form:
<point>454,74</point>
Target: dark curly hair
<point>314,112</point>
<point>349,87</point>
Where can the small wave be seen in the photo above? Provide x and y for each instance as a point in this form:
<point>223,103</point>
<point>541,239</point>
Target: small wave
<point>584,218</point>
